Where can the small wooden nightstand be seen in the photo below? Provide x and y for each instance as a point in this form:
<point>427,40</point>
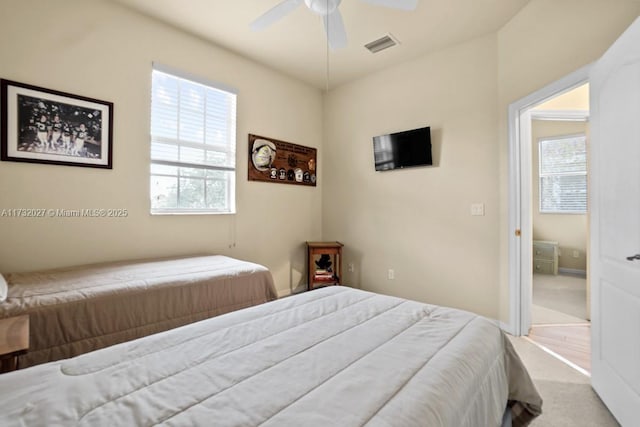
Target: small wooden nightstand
<point>14,341</point>
<point>319,278</point>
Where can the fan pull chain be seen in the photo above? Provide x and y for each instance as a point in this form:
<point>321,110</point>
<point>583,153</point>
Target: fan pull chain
<point>327,51</point>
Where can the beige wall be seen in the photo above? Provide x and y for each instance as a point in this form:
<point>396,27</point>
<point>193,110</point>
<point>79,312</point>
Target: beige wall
<point>547,40</point>
<point>102,50</point>
<point>575,99</point>
<point>569,230</point>
<point>418,221</point>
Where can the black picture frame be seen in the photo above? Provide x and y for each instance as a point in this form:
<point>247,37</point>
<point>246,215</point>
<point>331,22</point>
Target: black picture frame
<point>48,126</point>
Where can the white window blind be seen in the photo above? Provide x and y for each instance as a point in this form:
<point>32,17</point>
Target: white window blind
<point>193,146</point>
<point>563,174</point>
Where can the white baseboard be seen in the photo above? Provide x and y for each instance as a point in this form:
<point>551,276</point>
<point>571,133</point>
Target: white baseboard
<point>506,327</point>
<point>572,271</point>
<point>284,293</point>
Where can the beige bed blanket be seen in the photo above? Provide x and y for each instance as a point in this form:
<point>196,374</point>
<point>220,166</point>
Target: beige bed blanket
<point>331,357</point>
<point>80,309</point>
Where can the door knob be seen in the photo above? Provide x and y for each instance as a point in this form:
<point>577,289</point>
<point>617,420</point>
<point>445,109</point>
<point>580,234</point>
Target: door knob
<point>633,258</point>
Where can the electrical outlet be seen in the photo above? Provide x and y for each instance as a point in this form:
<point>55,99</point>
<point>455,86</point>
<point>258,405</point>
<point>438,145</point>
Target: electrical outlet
<point>391,274</point>
<point>477,209</point>
<point>351,267</point>
<point>576,254</point>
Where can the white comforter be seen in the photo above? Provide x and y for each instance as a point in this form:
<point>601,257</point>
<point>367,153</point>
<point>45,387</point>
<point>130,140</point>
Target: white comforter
<point>330,357</point>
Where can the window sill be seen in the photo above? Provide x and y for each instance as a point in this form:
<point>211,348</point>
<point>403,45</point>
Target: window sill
<point>180,213</point>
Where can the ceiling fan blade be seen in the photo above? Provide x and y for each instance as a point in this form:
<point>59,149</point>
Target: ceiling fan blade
<point>334,27</point>
<point>395,4</point>
<point>274,14</point>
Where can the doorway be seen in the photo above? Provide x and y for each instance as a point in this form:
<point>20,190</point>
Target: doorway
<point>559,309</point>
<point>554,300</point>
<point>613,270</point>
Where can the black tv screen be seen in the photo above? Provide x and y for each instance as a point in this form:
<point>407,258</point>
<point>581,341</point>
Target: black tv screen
<point>403,149</point>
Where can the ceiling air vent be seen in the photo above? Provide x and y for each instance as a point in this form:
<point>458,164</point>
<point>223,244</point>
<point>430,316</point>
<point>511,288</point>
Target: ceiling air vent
<point>382,43</point>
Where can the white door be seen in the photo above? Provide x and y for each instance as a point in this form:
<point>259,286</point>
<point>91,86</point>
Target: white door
<point>615,226</point>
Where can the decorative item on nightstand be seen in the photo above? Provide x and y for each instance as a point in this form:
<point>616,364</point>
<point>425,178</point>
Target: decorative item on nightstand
<point>324,264</point>
<point>545,257</point>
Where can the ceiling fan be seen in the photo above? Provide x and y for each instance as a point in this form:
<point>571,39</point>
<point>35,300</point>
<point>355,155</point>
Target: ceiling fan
<point>328,10</point>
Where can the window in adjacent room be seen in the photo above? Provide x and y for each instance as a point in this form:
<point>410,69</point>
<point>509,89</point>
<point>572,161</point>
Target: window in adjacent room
<point>563,174</point>
<point>193,145</point>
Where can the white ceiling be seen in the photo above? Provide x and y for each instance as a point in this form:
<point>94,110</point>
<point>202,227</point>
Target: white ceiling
<point>296,45</point>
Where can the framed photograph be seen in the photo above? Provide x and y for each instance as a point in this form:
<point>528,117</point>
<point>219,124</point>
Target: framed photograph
<point>46,126</point>
<point>271,160</point>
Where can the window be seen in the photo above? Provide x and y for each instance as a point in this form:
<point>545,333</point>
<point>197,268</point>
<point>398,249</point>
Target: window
<point>563,174</point>
<point>193,145</point>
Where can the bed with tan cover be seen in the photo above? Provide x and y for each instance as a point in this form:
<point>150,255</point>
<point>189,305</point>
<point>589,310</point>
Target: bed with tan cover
<point>331,357</point>
<point>80,309</point>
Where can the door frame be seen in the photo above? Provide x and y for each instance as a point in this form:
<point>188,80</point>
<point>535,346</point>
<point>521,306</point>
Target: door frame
<point>520,222</point>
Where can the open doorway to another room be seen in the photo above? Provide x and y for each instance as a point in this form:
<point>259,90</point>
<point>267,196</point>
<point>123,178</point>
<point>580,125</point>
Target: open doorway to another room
<point>559,176</point>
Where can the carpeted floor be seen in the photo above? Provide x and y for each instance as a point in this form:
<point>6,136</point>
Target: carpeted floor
<point>545,316</point>
<point>568,397</point>
<point>559,299</point>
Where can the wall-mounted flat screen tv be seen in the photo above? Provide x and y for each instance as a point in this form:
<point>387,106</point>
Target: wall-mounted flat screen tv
<point>403,149</point>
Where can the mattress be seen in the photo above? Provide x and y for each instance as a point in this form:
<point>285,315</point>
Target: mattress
<point>80,309</point>
<point>330,357</point>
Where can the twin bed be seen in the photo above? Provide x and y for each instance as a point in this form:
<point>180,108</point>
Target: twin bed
<point>80,309</point>
<point>335,356</point>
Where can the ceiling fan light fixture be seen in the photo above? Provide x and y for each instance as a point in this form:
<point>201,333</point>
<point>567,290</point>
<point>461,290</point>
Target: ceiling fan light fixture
<point>384,42</point>
<point>331,17</point>
<point>322,7</point>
